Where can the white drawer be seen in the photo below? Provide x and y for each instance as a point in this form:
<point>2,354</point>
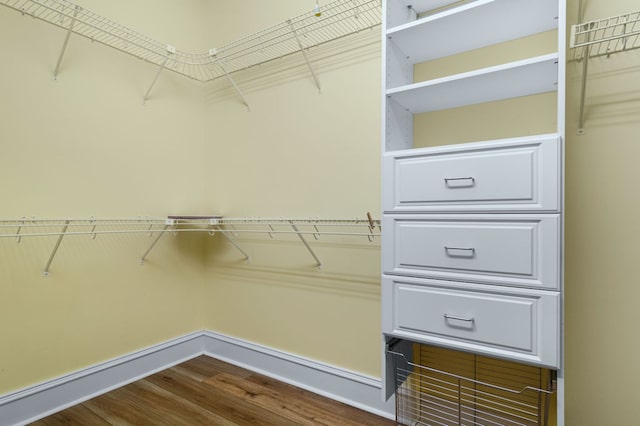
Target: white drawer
<point>518,250</point>
<point>515,324</point>
<point>515,174</point>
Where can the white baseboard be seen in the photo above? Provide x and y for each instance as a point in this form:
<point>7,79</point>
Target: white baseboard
<point>36,402</point>
<point>342,385</point>
<point>39,401</point>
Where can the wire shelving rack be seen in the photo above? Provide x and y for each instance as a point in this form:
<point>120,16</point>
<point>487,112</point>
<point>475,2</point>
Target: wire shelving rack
<point>304,229</point>
<point>601,39</point>
<point>296,35</point>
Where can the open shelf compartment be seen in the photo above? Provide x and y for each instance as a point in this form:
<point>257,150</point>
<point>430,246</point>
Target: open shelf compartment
<point>520,78</point>
<point>470,26</point>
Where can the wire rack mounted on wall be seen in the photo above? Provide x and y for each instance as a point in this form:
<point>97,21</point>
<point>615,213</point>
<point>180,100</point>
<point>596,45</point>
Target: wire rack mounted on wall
<point>303,229</point>
<point>602,38</point>
<point>296,35</point>
<point>605,37</point>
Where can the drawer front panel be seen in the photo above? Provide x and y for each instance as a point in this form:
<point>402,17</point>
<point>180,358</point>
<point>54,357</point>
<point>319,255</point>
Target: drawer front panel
<point>516,175</point>
<point>508,250</point>
<point>521,325</point>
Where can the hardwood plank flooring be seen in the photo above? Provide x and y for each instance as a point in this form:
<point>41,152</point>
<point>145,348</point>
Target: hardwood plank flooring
<point>206,391</point>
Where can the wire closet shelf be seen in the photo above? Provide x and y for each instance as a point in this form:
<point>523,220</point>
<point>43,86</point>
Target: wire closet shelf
<point>430,396</point>
<point>605,37</point>
<point>339,19</point>
<point>598,39</point>
<point>156,228</point>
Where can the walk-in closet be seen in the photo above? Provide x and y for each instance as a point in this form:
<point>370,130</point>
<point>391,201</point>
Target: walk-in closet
<point>319,212</point>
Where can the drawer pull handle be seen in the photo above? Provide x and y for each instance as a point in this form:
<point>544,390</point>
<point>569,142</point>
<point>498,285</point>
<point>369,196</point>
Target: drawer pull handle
<point>468,251</point>
<point>471,182</point>
<point>453,317</point>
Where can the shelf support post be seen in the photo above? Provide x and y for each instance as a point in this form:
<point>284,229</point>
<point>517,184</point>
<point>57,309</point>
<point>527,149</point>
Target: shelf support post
<point>55,248</point>
<point>170,50</point>
<point>304,53</point>
<point>306,244</point>
<point>66,41</point>
<point>235,86</point>
<point>167,224</point>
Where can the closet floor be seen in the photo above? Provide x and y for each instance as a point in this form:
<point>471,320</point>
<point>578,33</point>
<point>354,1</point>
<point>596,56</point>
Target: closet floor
<point>206,391</point>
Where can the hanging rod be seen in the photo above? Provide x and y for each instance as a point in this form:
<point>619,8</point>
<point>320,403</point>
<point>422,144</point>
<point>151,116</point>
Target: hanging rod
<point>339,19</point>
<point>602,38</point>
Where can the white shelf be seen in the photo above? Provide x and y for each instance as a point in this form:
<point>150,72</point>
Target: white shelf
<point>473,25</point>
<point>521,78</point>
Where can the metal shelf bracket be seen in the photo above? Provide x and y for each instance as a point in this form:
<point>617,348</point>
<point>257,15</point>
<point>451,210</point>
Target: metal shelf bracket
<point>213,53</point>
<point>77,9</point>
<point>167,224</point>
<point>304,54</point>
<point>306,244</point>
<point>55,248</point>
<point>170,51</point>
<point>215,224</point>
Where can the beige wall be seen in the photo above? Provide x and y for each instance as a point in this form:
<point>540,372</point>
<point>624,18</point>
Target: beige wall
<point>84,145</point>
<point>297,153</point>
<point>602,349</point>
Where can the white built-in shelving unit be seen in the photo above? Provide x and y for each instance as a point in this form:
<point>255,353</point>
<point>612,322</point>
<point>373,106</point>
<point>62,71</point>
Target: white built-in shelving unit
<point>472,250</point>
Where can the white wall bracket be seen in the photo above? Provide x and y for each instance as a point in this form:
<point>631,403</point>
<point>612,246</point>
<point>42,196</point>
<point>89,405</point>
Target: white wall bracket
<point>170,51</point>
<point>167,224</point>
<point>306,244</point>
<point>66,41</point>
<point>55,248</point>
<point>304,54</point>
<point>235,86</point>
<point>215,225</point>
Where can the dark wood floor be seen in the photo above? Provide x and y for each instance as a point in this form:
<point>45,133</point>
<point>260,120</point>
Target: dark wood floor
<point>205,391</point>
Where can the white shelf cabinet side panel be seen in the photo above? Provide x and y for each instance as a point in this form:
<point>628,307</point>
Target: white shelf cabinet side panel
<point>398,127</point>
<point>397,12</point>
<point>399,70</point>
